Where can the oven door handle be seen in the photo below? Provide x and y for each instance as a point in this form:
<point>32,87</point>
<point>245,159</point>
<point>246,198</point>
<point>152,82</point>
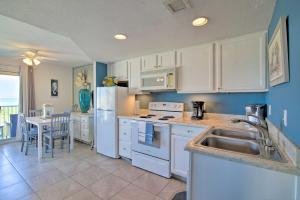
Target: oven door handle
<point>161,125</point>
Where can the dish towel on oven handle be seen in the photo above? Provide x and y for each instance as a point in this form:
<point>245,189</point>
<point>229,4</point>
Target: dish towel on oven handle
<point>149,133</point>
<point>142,131</point>
<point>145,132</point>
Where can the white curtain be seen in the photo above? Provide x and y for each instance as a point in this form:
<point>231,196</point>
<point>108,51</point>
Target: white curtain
<point>27,96</point>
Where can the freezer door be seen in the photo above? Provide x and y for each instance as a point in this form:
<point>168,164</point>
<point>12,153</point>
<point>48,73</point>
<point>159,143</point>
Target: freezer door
<point>107,135</point>
<point>106,98</point>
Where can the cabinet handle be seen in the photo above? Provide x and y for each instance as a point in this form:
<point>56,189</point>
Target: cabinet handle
<point>124,149</point>
<point>125,133</point>
<point>189,131</point>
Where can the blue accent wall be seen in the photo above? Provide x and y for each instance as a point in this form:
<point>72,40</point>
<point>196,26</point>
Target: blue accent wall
<point>287,95</point>
<point>101,72</point>
<point>229,103</point>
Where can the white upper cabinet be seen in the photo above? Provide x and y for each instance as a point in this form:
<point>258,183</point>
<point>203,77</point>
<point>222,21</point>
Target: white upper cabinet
<point>149,62</point>
<point>167,59</point>
<point>120,70</point>
<point>241,63</point>
<point>158,61</point>
<point>134,74</point>
<point>196,69</point>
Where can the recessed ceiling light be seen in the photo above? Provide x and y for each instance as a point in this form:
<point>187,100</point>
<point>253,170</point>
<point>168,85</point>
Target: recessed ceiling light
<point>200,21</point>
<point>120,37</point>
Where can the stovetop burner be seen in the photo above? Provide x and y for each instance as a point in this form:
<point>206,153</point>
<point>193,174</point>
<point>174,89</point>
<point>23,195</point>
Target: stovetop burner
<point>169,117</point>
<point>151,115</point>
<point>145,117</point>
<point>163,118</point>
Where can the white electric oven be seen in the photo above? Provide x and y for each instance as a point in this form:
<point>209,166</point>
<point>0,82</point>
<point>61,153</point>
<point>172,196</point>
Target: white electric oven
<point>154,157</point>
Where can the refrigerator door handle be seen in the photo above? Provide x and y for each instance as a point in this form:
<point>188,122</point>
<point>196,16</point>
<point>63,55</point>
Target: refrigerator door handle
<point>104,109</point>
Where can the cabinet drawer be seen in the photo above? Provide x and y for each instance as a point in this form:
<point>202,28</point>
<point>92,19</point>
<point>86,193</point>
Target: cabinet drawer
<point>125,149</point>
<point>84,119</point>
<point>84,126</point>
<point>125,133</point>
<point>124,122</point>
<point>85,133</point>
<point>186,131</point>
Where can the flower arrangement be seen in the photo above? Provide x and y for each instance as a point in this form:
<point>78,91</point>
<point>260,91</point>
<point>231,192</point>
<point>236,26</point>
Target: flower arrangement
<point>109,81</point>
<point>81,79</point>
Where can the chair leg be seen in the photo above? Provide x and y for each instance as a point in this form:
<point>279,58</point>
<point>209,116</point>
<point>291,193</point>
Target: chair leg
<point>61,143</point>
<point>52,143</point>
<point>22,143</point>
<point>26,152</point>
<point>69,141</point>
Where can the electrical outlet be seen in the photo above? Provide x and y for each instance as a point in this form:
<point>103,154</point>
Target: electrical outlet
<point>269,110</point>
<point>285,117</point>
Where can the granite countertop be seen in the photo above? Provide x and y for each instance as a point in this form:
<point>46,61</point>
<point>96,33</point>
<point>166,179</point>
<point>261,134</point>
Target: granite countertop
<point>212,120</point>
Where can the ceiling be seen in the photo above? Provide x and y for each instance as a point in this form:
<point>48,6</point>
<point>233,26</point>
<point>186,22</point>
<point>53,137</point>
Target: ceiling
<point>17,38</point>
<point>149,25</point>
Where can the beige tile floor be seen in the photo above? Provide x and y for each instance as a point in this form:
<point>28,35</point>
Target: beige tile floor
<point>82,174</point>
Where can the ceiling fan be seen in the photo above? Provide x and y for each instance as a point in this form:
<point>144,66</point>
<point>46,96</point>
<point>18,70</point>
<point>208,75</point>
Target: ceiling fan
<point>31,58</point>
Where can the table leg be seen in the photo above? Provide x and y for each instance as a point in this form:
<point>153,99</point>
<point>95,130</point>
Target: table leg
<point>40,139</point>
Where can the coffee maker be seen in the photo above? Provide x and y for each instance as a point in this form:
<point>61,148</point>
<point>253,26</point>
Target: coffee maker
<point>198,110</point>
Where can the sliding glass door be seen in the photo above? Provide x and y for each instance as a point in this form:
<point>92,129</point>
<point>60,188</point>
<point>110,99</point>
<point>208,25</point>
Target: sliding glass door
<point>9,105</point>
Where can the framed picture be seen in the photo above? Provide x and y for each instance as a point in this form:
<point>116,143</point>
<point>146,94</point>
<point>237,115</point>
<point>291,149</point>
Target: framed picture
<point>278,55</point>
<point>54,88</point>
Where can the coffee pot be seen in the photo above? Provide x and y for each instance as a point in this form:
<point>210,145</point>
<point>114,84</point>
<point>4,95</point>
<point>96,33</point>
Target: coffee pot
<point>198,110</point>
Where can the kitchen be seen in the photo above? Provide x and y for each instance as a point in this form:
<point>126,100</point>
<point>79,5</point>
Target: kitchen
<point>194,107</point>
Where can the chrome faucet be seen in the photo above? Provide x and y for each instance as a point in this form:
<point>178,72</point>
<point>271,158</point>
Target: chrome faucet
<point>261,127</point>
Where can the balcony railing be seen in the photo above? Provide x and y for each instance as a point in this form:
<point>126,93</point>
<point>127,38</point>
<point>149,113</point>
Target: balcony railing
<point>6,125</point>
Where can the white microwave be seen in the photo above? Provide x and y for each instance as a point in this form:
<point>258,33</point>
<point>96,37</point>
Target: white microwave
<point>163,79</point>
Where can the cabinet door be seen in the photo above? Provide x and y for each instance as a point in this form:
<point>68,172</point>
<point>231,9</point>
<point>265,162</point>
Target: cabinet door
<point>167,59</point>
<point>179,157</point>
<point>134,74</point>
<point>241,64</point>
<point>196,71</point>
<point>120,70</point>
<point>76,128</point>
<point>149,62</point>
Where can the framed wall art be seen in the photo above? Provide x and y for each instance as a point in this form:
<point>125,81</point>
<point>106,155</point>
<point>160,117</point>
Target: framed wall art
<point>278,54</point>
<point>54,88</point>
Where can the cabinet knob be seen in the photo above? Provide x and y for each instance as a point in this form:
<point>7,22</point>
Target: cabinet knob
<point>125,133</point>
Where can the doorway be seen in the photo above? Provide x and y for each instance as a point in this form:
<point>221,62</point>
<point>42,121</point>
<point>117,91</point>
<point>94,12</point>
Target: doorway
<point>9,105</point>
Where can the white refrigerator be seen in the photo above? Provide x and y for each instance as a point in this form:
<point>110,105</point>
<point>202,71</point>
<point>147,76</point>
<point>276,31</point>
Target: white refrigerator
<point>111,102</point>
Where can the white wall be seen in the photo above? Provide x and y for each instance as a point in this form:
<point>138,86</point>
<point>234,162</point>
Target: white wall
<point>42,77</point>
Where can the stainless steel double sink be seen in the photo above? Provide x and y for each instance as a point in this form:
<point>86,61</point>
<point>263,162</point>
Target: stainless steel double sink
<point>244,142</point>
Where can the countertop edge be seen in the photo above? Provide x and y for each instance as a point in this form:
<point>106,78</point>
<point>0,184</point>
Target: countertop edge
<point>288,167</point>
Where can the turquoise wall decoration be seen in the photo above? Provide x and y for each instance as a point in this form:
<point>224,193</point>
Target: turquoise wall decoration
<point>84,100</point>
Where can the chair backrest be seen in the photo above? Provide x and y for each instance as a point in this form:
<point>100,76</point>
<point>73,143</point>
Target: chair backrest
<point>60,124</point>
<point>23,124</point>
<point>35,113</point>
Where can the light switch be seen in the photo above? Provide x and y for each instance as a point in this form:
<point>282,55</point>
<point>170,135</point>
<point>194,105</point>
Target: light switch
<point>269,110</point>
<point>285,117</point>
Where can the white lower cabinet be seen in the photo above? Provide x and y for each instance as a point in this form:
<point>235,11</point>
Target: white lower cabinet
<point>216,178</point>
<point>82,126</point>
<point>125,138</point>
<point>181,135</point>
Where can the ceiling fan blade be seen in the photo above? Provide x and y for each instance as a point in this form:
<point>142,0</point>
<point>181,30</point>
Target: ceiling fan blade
<point>46,58</point>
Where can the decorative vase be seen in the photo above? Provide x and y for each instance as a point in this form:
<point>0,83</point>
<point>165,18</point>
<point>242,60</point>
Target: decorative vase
<point>84,100</point>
